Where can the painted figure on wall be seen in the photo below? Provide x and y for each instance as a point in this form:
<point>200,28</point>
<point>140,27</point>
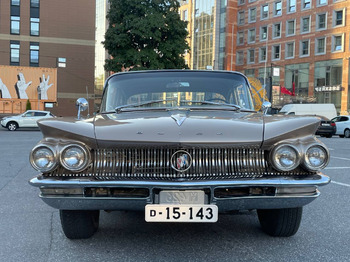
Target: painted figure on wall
<point>4,91</point>
<point>44,86</point>
<point>21,87</point>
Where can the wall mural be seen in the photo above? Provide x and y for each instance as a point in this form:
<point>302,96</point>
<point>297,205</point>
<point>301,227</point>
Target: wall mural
<point>28,83</point>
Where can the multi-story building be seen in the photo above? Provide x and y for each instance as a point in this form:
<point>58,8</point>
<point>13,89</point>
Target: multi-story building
<point>303,43</point>
<point>46,54</point>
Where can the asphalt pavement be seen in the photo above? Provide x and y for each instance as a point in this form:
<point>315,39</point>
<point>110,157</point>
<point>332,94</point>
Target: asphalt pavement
<point>31,231</point>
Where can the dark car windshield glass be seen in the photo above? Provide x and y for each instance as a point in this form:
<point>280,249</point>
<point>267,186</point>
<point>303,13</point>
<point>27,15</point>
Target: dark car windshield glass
<point>175,89</point>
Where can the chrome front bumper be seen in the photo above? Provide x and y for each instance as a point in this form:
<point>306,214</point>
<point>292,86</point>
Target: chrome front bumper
<point>288,192</point>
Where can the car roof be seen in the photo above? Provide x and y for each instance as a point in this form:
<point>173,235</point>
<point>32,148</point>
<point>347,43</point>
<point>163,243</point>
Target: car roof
<point>41,111</point>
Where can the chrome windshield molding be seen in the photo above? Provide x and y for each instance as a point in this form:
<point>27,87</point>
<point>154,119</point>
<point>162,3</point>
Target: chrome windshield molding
<point>312,180</point>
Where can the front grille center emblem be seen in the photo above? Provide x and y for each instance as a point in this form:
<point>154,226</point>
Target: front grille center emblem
<point>181,161</point>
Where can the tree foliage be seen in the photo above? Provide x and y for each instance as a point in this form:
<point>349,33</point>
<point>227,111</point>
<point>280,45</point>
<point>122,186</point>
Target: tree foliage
<point>28,105</point>
<point>145,34</point>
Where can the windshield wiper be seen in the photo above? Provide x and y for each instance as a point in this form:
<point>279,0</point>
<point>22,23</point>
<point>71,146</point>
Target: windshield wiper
<point>118,109</point>
<point>237,107</point>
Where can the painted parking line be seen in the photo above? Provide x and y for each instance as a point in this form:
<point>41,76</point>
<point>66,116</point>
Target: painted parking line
<point>344,167</point>
<point>341,184</point>
<point>341,158</point>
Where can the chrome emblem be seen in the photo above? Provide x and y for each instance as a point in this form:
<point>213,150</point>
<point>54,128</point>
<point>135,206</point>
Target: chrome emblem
<point>181,161</point>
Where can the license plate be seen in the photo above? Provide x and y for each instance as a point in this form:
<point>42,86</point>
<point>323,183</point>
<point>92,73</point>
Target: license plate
<point>325,124</point>
<point>186,197</point>
<point>181,213</point>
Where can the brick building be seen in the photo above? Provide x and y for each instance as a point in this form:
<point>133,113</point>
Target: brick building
<point>57,35</point>
<point>304,42</point>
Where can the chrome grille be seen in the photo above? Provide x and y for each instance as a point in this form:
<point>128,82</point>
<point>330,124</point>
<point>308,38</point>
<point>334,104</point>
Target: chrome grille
<point>156,163</point>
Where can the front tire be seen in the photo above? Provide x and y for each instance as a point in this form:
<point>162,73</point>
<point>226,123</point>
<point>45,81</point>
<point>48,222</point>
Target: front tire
<point>347,133</point>
<point>78,224</point>
<point>282,222</point>
<point>12,126</point>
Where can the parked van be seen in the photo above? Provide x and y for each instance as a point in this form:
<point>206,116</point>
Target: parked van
<point>327,110</point>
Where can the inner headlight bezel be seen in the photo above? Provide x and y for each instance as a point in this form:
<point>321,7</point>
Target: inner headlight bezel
<point>305,161</point>
<point>281,168</point>
<point>86,160</point>
<point>55,156</point>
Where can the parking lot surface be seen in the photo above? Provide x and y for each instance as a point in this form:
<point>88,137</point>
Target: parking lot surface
<point>31,231</point>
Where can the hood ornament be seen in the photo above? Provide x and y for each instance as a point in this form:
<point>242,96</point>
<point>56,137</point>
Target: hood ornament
<point>179,118</point>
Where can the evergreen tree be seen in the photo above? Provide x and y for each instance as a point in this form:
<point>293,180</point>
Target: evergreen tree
<point>145,34</point>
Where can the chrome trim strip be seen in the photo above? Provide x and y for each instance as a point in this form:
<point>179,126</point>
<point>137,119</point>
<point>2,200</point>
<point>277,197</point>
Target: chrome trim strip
<point>312,180</point>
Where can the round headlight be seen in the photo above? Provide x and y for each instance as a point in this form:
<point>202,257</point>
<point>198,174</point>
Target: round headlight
<point>316,158</point>
<point>285,158</point>
<point>43,159</point>
<point>74,158</point>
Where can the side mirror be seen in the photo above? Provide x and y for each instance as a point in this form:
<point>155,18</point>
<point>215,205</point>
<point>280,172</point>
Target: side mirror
<point>82,104</point>
<point>265,106</point>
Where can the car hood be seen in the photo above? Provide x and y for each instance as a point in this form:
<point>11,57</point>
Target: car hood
<point>180,128</point>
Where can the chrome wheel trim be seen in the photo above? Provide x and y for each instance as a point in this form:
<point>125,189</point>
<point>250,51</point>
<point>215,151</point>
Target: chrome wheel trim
<point>12,127</point>
<point>347,133</point>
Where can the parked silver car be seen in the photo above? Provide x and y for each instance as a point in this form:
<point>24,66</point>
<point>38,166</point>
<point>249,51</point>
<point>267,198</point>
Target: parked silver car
<point>27,119</point>
<point>343,126</point>
<point>180,146</point>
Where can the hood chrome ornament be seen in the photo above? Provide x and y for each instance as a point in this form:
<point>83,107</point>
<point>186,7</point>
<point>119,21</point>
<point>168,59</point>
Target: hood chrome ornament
<point>179,118</point>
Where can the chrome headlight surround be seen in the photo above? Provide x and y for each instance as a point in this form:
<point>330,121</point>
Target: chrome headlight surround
<point>43,158</point>
<point>285,157</point>
<point>75,157</point>
<point>316,157</point>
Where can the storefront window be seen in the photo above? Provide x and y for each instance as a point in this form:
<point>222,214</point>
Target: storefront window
<point>298,75</point>
<point>328,82</point>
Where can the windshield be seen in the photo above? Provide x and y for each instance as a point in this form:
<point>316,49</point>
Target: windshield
<point>175,89</point>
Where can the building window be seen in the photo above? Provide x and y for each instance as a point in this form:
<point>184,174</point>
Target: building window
<point>34,54</point>
<point>251,35</point>
<point>249,72</point>
<point>61,62</point>
<point>34,26</point>
<point>240,38</point>
<point>320,46</point>
<point>241,2</point>
<point>290,29</point>
<point>289,50</point>
<point>34,3</point>
<point>262,54</point>
<point>263,33</point>
<point>338,17</point>
<point>251,56</point>
<point>305,25</point>
<point>241,17</point>
<point>305,4</point>
<point>15,25</point>
<point>276,52</point>
<point>14,52</point>
<point>277,8</point>
<point>239,58</point>
<point>252,15</point>
<point>15,2</point>
<point>291,6</point>
<point>277,30</point>
<point>322,2</point>
<point>264,12</point>
<point>338,43</point>
<point>185,15</point>
<point>304,48</point>
<point>321,21</point>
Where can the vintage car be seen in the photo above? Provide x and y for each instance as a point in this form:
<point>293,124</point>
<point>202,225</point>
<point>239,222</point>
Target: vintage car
<point>180,146</point>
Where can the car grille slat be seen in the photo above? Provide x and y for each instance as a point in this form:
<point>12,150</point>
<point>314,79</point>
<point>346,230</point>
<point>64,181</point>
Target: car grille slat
<point>155,164</point>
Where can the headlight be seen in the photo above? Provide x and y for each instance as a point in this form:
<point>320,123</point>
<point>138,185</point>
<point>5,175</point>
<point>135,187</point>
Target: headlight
<point>74,158</point>
<point>43,158</point>
<point>285,157</point>
<point>316,158</point>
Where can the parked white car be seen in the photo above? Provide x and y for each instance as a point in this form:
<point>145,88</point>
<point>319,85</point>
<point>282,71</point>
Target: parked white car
<point>27,119</point>
<point>343,126</point>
